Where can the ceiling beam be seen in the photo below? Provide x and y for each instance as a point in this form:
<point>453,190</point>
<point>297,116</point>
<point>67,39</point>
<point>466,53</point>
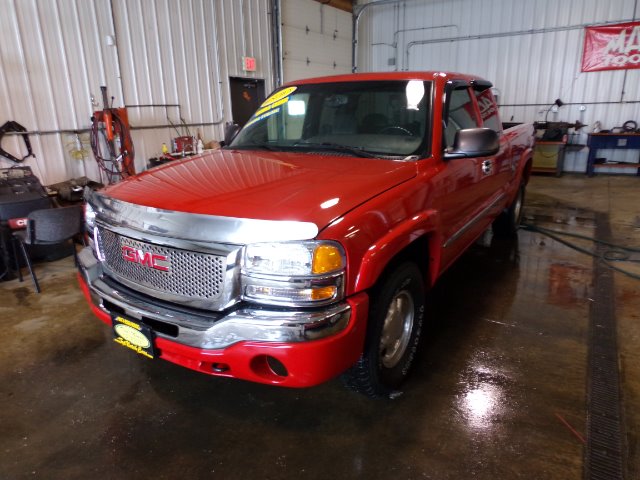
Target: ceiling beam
<point>346,5</point>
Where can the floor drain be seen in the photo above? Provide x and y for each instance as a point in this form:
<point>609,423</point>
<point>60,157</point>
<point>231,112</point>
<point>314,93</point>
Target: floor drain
<point>604,454</point>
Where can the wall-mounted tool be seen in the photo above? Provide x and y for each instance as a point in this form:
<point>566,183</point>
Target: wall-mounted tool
<point>555,131</point>
<point>12,126</point>
<point>111,141</point>
<point>555,106</point>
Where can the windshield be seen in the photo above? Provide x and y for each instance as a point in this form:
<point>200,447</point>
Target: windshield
<point>370,118</point>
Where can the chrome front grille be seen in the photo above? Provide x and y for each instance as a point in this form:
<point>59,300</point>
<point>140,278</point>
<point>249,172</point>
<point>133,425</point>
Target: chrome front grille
<point>191,275</point>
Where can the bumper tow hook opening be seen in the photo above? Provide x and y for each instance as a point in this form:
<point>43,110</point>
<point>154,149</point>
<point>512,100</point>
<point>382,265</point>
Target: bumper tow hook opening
<point>220,367</point>
<point>277,367</point>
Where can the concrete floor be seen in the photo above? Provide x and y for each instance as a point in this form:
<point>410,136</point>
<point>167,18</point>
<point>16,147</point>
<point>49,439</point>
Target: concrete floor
<point>498,390</point>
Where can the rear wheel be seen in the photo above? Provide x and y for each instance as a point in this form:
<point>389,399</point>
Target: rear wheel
<point>395,324</point>
<point>508,223</point>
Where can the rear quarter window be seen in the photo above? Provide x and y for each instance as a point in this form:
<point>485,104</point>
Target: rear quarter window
<point>489,110</point>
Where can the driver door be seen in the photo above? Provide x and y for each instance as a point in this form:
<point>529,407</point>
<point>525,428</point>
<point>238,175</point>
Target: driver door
<point>462,186</point>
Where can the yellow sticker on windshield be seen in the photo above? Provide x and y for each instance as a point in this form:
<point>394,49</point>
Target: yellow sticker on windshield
<point>257,118</point>
<point>279,95</point>
<point>282,101</point>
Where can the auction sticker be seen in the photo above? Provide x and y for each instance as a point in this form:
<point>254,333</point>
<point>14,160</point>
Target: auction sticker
<point>279,95</point>
<point>271,105</point>
<point>262,117</point>
<point>133,335</point>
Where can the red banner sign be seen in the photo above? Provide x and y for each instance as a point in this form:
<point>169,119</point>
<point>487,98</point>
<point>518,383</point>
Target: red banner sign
<point>611,47</point>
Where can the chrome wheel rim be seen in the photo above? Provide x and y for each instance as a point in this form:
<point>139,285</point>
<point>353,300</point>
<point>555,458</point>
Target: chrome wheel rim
<point>397,328</point>
<point>517,209</point>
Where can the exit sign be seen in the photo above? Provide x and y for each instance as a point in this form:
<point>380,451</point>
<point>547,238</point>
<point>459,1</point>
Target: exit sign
<point>249,64</point>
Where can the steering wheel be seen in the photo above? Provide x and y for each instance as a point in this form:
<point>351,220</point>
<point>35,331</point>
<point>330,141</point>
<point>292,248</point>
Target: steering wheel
<point>396,128</point>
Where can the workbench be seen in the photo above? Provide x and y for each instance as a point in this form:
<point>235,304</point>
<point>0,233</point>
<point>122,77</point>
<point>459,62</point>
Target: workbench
<point>617,141</point>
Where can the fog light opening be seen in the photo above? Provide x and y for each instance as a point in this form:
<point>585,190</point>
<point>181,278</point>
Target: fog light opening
<point>277,367</point>
<point>269,368</point>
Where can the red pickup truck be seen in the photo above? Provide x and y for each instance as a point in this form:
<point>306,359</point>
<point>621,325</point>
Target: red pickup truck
<point>303,249</point>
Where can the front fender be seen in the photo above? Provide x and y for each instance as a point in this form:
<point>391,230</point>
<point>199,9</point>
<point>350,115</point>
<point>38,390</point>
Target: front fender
<point>398,238</point>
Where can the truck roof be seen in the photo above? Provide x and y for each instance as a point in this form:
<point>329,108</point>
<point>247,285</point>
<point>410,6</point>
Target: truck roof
<point>371,76</point>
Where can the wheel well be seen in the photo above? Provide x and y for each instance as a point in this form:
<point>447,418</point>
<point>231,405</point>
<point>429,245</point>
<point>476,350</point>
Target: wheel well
<point>416,252</point>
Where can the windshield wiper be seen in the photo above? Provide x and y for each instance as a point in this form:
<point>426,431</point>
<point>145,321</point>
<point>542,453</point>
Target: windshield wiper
<point>257,146</point>
<point>337,147</point>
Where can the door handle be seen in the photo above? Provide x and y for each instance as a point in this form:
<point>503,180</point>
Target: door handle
<point>487,167</point>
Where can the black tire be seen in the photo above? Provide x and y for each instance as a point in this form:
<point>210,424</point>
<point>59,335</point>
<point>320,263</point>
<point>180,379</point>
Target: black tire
<point>508,222</point>
<point>393,333</point>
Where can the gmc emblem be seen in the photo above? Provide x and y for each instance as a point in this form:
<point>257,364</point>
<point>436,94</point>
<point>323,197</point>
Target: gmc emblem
<point>146,259</point>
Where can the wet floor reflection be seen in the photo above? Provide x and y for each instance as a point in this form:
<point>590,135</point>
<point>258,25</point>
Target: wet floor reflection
<point>503,358</point>
<point>568,284</point>
<point>481,405</point>
<point>482,401</point>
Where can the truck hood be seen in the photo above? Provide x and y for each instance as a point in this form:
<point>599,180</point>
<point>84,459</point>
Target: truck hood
<point>264,185</point>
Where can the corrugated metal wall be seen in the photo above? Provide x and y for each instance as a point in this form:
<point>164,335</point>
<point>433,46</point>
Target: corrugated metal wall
<point>530,49</point>
<point>55,55</point>
<point>316,40</point>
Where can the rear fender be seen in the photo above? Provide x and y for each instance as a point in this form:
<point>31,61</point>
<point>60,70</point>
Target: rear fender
<point>526,165</point>
<point>526,158</point>
<point>522,175</point>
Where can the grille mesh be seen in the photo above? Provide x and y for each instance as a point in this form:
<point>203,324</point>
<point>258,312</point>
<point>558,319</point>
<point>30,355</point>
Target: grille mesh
<point>191,274</point>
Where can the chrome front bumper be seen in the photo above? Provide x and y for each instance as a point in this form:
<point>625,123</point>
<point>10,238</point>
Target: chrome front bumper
<point>212,330</point>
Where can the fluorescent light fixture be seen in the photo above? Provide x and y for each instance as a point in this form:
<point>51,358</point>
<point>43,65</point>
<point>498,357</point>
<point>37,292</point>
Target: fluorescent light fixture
<point>296,107</point>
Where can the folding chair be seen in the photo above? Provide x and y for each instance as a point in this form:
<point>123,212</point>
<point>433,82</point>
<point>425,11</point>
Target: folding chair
<point>47,227</point>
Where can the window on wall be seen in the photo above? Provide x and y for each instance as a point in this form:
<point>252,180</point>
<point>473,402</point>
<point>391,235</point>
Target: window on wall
<point>461,115</point>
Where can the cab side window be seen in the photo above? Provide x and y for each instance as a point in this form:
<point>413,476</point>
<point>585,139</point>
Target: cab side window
<point>461,115</point>
<point>488,110</point>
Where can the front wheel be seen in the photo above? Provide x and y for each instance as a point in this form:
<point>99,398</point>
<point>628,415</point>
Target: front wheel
<point>395,324</point>
<point>508,223</point>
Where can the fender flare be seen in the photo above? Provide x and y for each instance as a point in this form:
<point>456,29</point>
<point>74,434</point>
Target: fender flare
<point>385,249</point>
<point>521,174</point>
<point>527,159</point>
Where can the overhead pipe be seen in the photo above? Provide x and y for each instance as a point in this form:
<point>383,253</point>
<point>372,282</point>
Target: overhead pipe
<point>397,33</point>
<point>133,127</point>
<point>507,34</point>
<point>116,44</point>
<point>220,112</point>
<point>276,30</point>
<point>396,36</point>
<point>358,10</point>
<point>624,78</point>
<point>151,127</point>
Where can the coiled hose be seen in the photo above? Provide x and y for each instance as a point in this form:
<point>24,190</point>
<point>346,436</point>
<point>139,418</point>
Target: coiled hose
<point>617,253</point>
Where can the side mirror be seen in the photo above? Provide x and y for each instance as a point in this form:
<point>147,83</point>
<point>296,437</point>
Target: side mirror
<point>474,142</point>
<point>230,132</point>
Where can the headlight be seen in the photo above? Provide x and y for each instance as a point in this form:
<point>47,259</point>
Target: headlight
<point>92,231</point>
<point>289,259</point>
<point>293,273</point>
<point>89,217</point>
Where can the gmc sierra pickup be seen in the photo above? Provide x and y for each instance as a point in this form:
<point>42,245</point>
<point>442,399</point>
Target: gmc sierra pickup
<point>303,249</point>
